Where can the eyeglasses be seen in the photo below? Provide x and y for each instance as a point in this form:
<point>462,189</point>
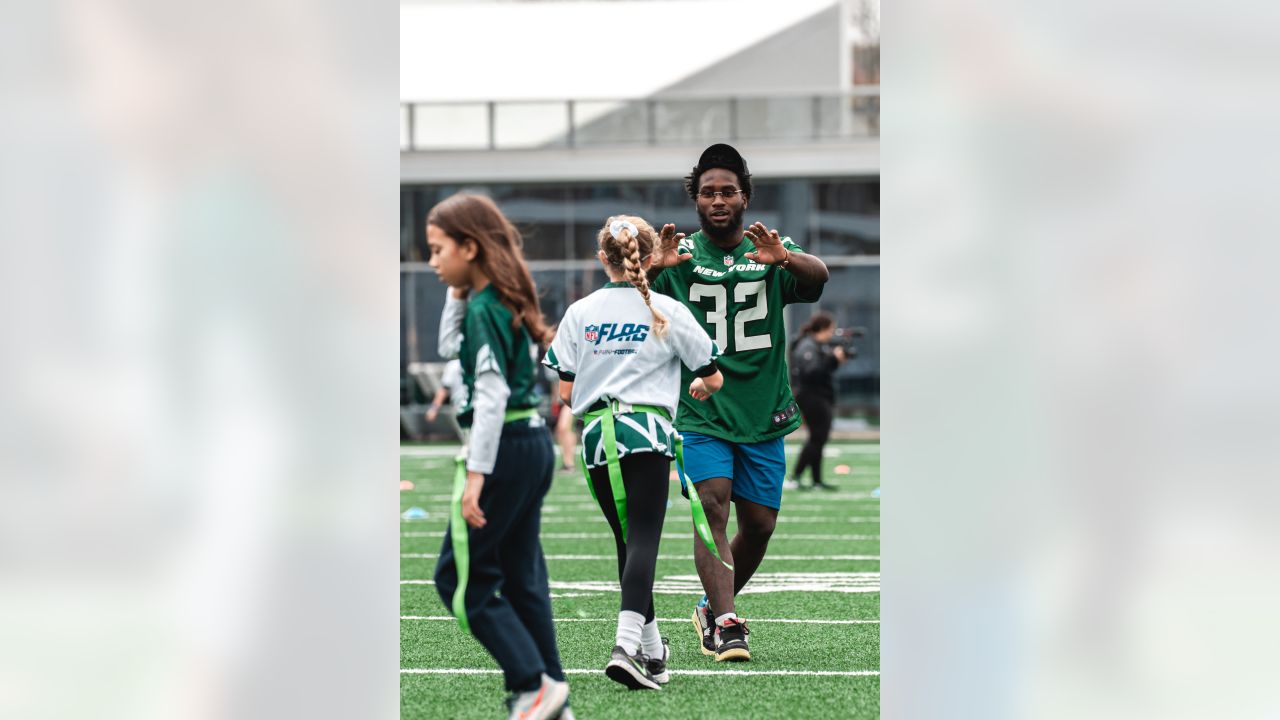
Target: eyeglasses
<point>727,194</point>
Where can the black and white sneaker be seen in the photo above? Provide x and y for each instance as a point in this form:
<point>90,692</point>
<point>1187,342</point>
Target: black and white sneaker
<point>658,667</point>
<point>704,621</point>
<point>631,670</point>
<point>731,641</point>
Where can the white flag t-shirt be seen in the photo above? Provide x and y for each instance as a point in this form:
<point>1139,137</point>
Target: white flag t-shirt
<point>606,346</point>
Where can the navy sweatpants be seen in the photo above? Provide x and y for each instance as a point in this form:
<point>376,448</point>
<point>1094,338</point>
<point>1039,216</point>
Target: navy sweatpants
<point>508,599</point>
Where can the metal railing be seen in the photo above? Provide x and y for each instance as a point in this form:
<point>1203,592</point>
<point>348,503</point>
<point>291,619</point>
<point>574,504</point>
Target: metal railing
<point>559,124</point>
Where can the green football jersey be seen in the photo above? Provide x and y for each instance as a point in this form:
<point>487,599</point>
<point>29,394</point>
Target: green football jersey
<point>490,343</point>
<point>739,303</point>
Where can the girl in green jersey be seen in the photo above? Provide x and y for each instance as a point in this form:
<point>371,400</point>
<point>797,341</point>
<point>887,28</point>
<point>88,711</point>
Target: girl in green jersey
<point>491,570</point>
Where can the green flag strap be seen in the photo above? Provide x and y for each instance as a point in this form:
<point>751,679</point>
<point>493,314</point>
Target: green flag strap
<point>609,435</point>
<point>700,524</point>
<point>513,415</point>
<point>461,554</point>
<point>610,439</point>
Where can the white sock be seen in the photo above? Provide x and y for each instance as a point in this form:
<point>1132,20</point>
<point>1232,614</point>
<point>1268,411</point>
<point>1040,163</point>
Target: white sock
<point>722,619</point>
<point>629,629</point>
<point>651,641</point>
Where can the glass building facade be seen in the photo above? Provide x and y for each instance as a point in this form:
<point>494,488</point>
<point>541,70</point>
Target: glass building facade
<point>837,219</point>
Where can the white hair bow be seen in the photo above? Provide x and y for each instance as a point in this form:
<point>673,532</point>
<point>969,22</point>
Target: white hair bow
<point>616,227</point>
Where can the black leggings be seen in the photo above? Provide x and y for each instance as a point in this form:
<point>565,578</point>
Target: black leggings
<point>817,412</point>
<point>645,477</point>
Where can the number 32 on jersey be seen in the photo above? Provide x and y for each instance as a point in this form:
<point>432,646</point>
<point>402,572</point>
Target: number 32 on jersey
<point>717,316</point>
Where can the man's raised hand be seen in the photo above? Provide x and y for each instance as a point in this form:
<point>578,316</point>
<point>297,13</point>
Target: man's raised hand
<point>668,254</point>
<point>769,249</point>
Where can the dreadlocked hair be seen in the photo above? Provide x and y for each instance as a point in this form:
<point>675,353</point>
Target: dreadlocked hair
<point>627,252</point>
<point>500,255</point>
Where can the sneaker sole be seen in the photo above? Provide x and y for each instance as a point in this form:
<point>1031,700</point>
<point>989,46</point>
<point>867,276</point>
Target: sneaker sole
<point>733,655</point>
<point>663,677</point>
<point>620,672</point>
<point>702,645</point>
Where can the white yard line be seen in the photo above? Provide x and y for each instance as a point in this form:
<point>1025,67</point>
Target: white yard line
<point>782,518</point>
<point>597,671</point>
<point>795,621</point>
<point>451,451</point>
<point>770,582</point>
<point>665,536</point>
<point>689,558</point>
<point>591,510</point>
<point>592,514</point>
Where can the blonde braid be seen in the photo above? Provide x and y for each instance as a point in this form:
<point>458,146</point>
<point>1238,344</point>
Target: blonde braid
<point>636,276</point>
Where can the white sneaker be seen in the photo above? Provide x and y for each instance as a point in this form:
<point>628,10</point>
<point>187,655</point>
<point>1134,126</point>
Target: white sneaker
<point>790,485</point>
<point>544,703</point>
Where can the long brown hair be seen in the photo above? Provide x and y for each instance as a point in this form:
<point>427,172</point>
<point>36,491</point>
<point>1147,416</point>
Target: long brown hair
<point>500,255</point>
<point>627,251</point>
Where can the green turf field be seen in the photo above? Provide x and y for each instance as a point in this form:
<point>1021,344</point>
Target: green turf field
<point>823,566</point>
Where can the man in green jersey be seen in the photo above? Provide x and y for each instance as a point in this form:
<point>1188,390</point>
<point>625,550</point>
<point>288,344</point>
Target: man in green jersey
<point>736,283</point>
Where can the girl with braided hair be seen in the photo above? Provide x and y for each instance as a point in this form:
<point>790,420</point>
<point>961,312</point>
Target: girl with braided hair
<point>619,353</point>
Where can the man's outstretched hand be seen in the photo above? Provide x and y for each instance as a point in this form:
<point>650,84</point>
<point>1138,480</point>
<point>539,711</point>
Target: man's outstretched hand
<point>668,254</point>
<point>769,249</point>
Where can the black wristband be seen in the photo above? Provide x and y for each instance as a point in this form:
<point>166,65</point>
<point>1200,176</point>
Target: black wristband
<point>710,369</point>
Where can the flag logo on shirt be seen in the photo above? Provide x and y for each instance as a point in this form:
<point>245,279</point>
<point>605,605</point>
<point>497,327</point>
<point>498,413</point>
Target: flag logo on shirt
<point>622,332</point>
<point>728,260</point>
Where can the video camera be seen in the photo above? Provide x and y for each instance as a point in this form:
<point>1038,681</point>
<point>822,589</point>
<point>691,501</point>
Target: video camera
<point>844,338</point>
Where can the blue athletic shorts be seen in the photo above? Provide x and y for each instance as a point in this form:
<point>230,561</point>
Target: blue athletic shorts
<point>756,469</point>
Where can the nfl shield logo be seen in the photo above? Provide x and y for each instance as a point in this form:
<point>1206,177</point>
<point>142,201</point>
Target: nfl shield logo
<point>728,260</point>
<point>593,331</point>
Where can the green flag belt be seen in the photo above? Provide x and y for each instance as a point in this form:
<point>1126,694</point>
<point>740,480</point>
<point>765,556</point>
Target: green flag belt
<point>610,438</point>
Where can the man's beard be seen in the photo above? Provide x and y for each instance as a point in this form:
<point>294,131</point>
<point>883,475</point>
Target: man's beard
<point>730,232</point>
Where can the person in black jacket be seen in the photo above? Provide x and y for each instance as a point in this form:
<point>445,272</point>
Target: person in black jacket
<point>813,365</point>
